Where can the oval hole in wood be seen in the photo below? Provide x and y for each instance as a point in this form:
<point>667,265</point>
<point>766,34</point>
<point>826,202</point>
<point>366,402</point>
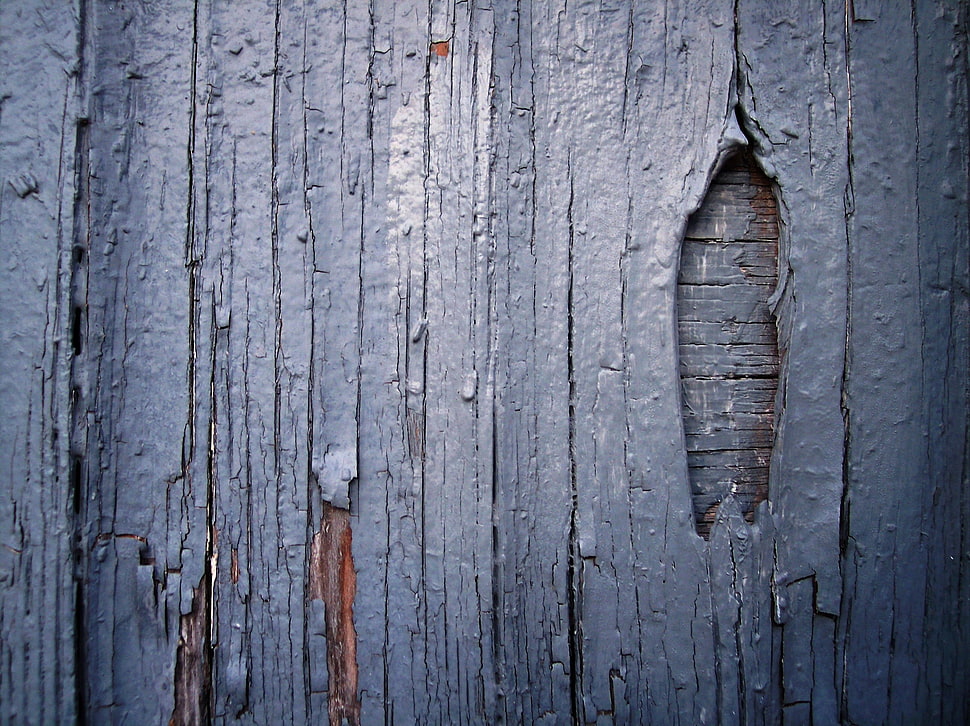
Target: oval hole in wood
<point>728,340</point>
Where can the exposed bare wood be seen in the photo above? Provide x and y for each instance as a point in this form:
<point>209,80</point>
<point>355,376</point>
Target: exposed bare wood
<point>729,360</point>
<point>334,581</point>
<point>193,664</point>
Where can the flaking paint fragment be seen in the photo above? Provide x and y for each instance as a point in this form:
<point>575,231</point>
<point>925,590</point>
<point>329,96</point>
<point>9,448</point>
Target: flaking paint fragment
<point>469,386</point>
<point>334,474</point>
<point>24,184</point>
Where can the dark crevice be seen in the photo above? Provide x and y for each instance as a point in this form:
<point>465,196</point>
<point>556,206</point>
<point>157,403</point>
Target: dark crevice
<point>80,655</point>
<point>77,482</point>
<point>192,696</point>
<point>77,434</point>
<point>77,334</point>
<point>275,254</point>
<point>845,509</point>
<point>422,427</point>
<point>311,482</point>
<point>193,662</point>
<point>497,576</point>
<point>194,655</point>
<point>573,573</point>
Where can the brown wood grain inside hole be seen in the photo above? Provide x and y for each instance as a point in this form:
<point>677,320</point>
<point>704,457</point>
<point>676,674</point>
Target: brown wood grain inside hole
<point>334,581</point>
<point>729,358</point>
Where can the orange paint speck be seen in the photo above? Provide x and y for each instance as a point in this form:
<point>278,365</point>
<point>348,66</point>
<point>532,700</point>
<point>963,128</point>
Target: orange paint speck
<point>440,48</point>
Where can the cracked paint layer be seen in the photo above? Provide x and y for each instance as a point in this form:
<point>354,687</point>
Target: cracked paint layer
<point>420,260</point>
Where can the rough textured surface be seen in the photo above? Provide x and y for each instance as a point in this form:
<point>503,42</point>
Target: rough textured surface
<point>904,520</point>
<point>279,272</point>
<point>39,141</point>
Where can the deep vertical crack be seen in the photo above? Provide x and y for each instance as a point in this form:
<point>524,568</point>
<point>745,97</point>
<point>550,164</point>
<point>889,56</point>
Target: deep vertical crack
<point>845,508</point>
<point>426,160</point>
<point>275,253</point>
<point>193,658</point>
<point>77,434</point>
<point>573,574</point>
<point>309,251</point>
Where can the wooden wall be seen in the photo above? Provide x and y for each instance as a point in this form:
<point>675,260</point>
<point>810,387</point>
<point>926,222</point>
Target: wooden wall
<point>340,374</point>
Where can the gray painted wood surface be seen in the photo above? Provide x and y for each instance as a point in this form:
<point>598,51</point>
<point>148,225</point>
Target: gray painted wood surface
<point>284,276</point>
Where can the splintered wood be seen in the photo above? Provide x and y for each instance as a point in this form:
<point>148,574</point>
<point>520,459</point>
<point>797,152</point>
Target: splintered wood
<point>728,340</point>
<point>334,581</point>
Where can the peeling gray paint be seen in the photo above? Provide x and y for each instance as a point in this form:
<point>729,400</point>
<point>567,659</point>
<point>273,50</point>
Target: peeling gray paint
<point>420,261</point>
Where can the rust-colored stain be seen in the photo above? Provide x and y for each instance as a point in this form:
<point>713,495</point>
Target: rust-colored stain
<point>440,48</point>
<point>334,580</point>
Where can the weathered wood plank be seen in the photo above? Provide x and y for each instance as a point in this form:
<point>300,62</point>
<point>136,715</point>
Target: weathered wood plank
<point>728,262</point>
<point>704,438</point>
<point>724,293</point>
<point>589,86</point>
<point>666,173</point>
<point>741,567</point>
<point>943,188</point>
<point>722,475</point>
<point>740,460</point>
<point>457,497</point>
<point>751,395</point>
<point>699,423</point>
<point>331,42</point>
<point>711,309</point>
<point>906,498</point>
<point>723,332</point>
<point>256,382</point>
<point>42,145</point>
<point>144,529</point>
<point>810,166</point>
<point>703,361</point>
<point>390,609</point>
<point>535,679</point>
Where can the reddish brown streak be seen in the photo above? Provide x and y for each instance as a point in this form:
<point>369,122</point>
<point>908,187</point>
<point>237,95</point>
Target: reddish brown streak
<point>334,581</point>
